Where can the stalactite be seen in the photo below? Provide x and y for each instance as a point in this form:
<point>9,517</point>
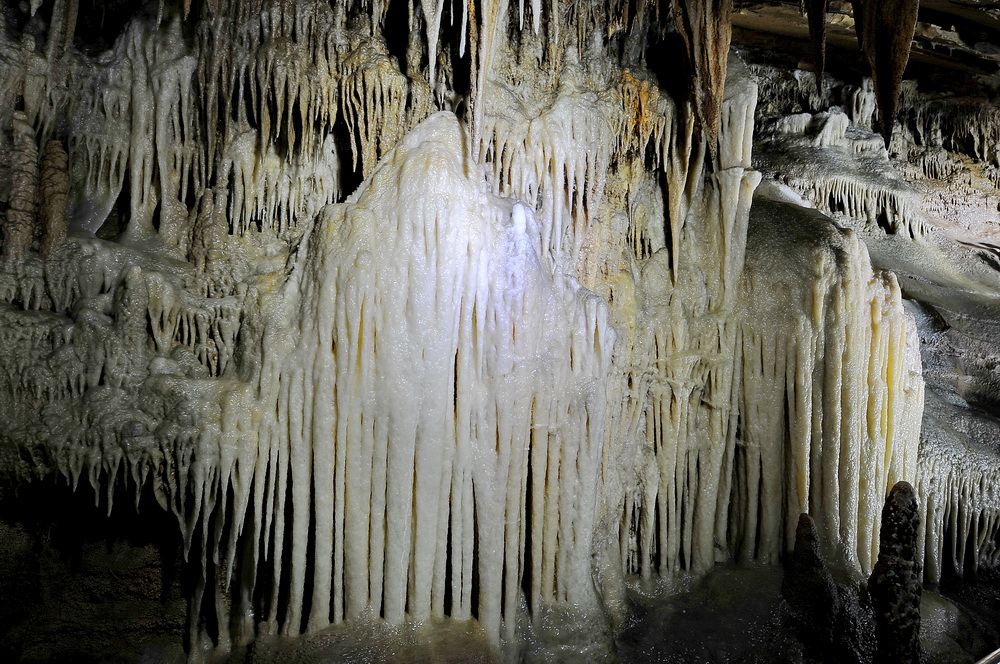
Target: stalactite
<point>706,27</point>
<point>816,11</point>
<point>56,40</point>
<point>885,31</point>
<point>433,10</point>
<point>72,12</point>
<point>492,21</point>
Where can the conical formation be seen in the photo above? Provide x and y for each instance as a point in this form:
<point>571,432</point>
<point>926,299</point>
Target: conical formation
<point>816,10</point>
<point>885,31</point>
<point>706,27</point>
<point>895,583</point>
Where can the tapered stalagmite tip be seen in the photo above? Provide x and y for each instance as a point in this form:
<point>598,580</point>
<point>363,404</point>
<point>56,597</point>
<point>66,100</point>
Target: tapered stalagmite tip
<point>895,583</point>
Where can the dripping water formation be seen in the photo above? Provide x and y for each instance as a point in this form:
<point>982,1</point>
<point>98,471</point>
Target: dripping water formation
<point>426,330</point>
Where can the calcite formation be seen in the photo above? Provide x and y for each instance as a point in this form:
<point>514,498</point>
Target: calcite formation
<point>452,311</point>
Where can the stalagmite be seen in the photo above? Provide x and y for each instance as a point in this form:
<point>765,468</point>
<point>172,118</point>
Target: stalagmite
<point>811,591</point>
<point>895,583</point>
<point>863,104</point>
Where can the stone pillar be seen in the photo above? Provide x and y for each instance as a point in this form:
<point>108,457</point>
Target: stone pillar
<point>19,227</point>
<point>54,196</point>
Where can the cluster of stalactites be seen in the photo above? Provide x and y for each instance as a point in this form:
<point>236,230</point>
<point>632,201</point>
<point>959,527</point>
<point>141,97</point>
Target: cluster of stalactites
<point>885,31</point>
<point>164,120</point>
<point>106,342</point>
<point>150,119</point>
<point>884,206</point>
<point>832,393</point>
<point>400,414</point>
<point>91,371</point>
<point>679,392</point>
<point>558,159</point>
<point>964,127</point>
<point>850,175</point>
<point>346,459</point>
<point>959,512</point>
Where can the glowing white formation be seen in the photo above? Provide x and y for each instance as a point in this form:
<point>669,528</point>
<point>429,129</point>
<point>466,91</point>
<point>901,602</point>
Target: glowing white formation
<point>442,384</point>
<point>840,372</point>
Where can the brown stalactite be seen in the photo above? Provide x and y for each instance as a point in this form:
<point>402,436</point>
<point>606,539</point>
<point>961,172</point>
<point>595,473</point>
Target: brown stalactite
<point>55,40</point>
<point>885,31</point>
<point>706,28</point>
<point>858,10</point>
<point>72,10</point>
<point>816,10</point>
<point>473,77</point>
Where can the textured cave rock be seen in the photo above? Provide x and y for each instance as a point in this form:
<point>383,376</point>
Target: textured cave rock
<point>53,192</point>
<point>831,620</point>
<point>19,224</point>
<point>810,589</point>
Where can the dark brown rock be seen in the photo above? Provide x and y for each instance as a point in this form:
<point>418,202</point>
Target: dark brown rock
<point>885,31</point>
<point>895,583</point>
<point>816,11</point>
<point>706,27</point>
<point>810,590</point>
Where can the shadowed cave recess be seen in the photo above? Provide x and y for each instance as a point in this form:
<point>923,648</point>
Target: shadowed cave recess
<point>430,330</point>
